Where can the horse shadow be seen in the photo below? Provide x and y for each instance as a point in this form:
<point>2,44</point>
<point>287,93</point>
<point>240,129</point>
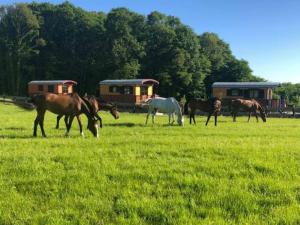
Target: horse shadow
<point>120,125</point>
<point>13,128</point>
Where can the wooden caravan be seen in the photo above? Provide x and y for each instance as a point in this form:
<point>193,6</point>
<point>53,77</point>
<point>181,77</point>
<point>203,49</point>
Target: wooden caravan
<point>127,92</point>
<point>52,86</point>
<point>261,91</point>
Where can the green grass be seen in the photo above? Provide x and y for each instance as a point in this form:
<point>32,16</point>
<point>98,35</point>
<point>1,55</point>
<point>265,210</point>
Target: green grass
<point>236,173</point>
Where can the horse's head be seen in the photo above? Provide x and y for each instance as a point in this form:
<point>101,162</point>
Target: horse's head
<point>114,111</point>
<point>263,115</point>
<point>93,126</point>
<point>92,116</point>
<point>262,112</point>
<point>180,120</point>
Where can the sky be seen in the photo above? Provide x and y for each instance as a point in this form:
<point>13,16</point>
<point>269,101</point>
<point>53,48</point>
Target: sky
<point>266,33</point>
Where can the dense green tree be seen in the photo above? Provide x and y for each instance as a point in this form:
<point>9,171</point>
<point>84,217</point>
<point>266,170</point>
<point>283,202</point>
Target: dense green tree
<point>224,66</point>
<point>217,51</point>
<point>74,39</point>
<point>46,41</point>
<point>19,31</point>
<point>124,49</point>
<point>173,57</point>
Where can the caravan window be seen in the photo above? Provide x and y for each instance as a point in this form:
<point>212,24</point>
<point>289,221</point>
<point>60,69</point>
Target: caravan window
<point>113,89</point>
<point>51,88</point>
<point>144,90</point>
<point>40,87</point>
<point>128,90</point>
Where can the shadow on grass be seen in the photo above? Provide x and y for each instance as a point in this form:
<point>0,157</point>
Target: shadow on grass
<point>120,125</point>
<point>13,136</point>
<point>39,136</point>
<point>13,128</point>
<point>170,125</point>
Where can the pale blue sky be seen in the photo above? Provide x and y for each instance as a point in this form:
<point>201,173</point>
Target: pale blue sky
<point>264,32</point>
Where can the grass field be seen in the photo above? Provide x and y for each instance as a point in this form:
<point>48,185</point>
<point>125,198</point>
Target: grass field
<point>236,173</point>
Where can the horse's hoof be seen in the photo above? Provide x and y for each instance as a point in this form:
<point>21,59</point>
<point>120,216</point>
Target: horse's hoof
<point>82,134</point>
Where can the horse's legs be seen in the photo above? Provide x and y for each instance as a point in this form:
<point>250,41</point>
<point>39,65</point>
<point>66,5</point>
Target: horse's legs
<point>153,118</point>
<point>57,120</point>
<point>80,125</point>
<point>192,116</point>
<point>256,117</point>
<point>169,118</point>
<point>153,115</point>
<point>249,117</point>
<point>234,116</point>
<point>208,118</point>
<point>69,125</point>
<point>41,122</point>
<point>36,122</point>
<point>216,118</point>
<point>100,120</point>
<point>147,117</point>
<point>66,119</point>
<point>173,119</point>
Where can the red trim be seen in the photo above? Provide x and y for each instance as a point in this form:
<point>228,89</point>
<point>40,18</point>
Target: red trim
<point>70,82</point>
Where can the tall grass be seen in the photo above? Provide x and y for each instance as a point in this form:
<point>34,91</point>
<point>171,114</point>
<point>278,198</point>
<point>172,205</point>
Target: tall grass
<point>236,173</point>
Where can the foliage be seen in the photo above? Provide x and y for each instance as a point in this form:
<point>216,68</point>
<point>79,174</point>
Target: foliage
<point>224,66</point>
<point>19,32</point>
<point>137,174</point>
<point>92,46</point>
<point>290,92</point>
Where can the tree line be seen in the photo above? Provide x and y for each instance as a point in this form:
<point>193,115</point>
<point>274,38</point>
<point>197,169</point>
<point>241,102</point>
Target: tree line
<point>40,41</point>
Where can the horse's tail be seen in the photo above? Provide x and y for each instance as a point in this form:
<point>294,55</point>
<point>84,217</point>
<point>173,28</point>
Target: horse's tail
<point>234,106</point>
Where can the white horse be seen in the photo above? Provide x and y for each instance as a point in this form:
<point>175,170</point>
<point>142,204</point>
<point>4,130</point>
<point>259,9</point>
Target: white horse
<point>169,106</point>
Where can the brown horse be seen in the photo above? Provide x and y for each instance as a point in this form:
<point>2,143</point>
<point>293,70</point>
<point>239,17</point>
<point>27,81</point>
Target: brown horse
<point>97,105</point>
<point>68,105</point>
<point>211,106</point>
<point>250,106</point>
<point>288,108</point>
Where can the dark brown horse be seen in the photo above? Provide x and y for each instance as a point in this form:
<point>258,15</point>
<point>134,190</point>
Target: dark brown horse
<point>211,106</point>
<point>250,106</point>
<point>288,108</point>
<point>97,105</point>
<point>68,105</point>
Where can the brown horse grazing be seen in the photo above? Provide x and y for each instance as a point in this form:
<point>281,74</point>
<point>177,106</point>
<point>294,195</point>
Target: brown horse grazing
<point>107,106</point>
<point>97,105</point>
<point>68,105</point>
<point>211,106</point>
<point>250,106</point>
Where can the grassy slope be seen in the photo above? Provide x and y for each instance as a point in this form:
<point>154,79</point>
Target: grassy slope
<point>237,173</point>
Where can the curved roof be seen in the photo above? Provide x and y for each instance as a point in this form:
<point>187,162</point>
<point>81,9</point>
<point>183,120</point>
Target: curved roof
<point>130,82</point>
<point>245,85</point>
<point>53,82</point>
